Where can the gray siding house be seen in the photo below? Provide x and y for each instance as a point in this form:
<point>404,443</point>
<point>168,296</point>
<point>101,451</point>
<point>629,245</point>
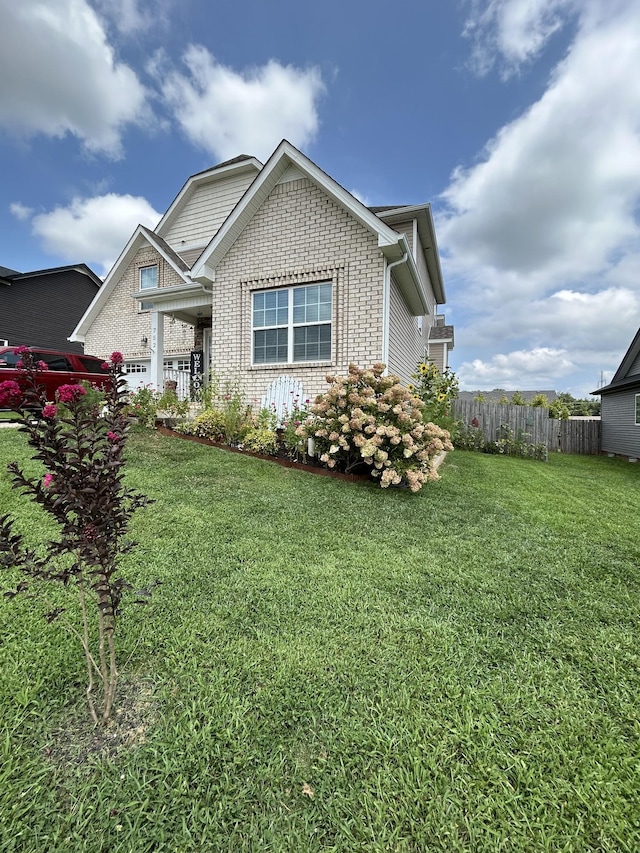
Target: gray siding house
<point>620,412</point>
<point>41,308</point>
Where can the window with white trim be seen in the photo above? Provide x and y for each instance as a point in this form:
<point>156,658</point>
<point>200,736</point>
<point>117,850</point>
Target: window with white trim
<point>148,277</point>
<point>292,324</point>
<point>177,364</point>
<point>637,409</point>
<point>135,367</point>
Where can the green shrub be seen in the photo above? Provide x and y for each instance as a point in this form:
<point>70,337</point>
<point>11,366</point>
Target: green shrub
<point>209,424</point>
<point>261,441</point>
<point>367,419</point>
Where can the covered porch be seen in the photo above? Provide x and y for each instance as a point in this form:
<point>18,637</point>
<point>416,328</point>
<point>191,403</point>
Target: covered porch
<point>190,304</point>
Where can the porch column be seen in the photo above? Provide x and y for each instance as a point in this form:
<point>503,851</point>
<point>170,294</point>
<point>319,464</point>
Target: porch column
<point>157,350</point>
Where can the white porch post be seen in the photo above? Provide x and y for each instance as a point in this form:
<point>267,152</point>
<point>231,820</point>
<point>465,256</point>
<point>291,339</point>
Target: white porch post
<point>157,350</point>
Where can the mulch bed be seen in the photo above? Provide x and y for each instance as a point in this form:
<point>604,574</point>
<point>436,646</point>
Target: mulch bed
<point>278,460</point>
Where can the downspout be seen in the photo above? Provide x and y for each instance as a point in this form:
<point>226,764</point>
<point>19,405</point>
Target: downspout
<point>386,307</point>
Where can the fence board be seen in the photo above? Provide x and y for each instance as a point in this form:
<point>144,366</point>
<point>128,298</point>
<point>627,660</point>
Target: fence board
<point>533,424</point>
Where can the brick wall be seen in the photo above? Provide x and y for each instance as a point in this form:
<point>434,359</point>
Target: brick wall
<point>299,236</point>
<point>121,325</point>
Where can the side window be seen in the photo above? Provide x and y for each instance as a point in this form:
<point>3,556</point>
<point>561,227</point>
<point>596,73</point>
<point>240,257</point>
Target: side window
<point>53,361</point>
<point>93,365</point>
<point>637,409</point>
<point>9,359</point>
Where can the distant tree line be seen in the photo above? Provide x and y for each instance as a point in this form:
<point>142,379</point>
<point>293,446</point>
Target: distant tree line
<point>564,406</point>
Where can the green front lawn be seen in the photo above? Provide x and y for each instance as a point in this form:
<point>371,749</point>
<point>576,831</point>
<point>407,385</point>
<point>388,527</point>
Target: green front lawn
<point>330,666</point>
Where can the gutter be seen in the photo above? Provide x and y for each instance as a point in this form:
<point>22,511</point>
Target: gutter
<point>386,306</point>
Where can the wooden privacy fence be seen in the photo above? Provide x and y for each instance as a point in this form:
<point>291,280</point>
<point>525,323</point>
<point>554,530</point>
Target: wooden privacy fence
<point>569,436</point>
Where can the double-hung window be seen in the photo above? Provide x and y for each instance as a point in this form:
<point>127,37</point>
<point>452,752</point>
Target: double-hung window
<point>637,409</point>
<point>292,324</point>
<point>148,281</point>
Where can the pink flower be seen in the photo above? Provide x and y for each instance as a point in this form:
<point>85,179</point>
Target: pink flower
<point>20,350</point>
<point>49,411</point>
<point>116,357</point>
<point>47,480</point>
<point>10,393</point>
<point>70,393</point>
<point>19,365</point>
<point>105,365</point>
<point>112,436</point>
<point>42,365</point>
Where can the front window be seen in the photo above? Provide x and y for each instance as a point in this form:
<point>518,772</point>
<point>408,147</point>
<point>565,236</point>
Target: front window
<point>292,324</point>
<point>637,409</point>
<point>148,281</point>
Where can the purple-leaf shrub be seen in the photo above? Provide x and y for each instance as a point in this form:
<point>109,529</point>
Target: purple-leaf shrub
<point>80,440</point>
<point>368,419</point>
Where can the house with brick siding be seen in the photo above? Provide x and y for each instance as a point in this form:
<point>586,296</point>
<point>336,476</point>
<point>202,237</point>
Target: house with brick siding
<point>266,270</point>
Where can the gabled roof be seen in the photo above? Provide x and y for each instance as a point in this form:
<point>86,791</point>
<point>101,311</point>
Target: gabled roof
<point>427,233</point>
<point>441,334</point>
<point>141,236</point>
<point>6,273</point>
<point>620,379</point>
<point>394,246</point>
<point>235,166</point>
<point>83,269</point>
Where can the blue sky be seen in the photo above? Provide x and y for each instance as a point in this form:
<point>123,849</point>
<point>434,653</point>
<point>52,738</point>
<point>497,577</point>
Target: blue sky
<point>518,120</point>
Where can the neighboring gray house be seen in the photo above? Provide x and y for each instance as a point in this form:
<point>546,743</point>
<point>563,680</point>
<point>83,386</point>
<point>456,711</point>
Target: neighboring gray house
<point>273,270</point>
<point>41,308</point>
<point>620,412</point>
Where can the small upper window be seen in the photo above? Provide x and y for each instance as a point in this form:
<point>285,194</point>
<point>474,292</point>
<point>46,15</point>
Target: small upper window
<point>637,409</point>
<point>148,281</point>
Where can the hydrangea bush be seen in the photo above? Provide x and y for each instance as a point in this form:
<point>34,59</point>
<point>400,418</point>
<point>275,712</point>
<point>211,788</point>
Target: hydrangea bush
<point>369,420</point>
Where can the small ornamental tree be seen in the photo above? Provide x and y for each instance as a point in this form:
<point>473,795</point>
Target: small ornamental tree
<point>80,439</point>
<point>369,420</point>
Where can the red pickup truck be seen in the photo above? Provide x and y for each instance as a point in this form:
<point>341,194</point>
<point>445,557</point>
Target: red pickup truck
<point>63,368</point>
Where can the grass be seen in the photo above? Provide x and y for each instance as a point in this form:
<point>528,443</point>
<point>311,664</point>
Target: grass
<point>331,667</point>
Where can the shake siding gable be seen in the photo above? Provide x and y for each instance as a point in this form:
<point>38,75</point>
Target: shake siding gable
<point>299,236</point>
<point>206,209</point>
<point>121,326</point>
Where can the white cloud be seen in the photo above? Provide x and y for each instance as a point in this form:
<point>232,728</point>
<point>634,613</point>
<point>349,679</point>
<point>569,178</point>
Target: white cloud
<point>363,199</point>
<point>20,211</point>
<point>131,16</point>
<point>541,238</point>
<point>228,113</point>
<point>513,31</point>
<point>93,230</point>
<point>59,75</point>
<point>557,189</point>
<point>524,370</point>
